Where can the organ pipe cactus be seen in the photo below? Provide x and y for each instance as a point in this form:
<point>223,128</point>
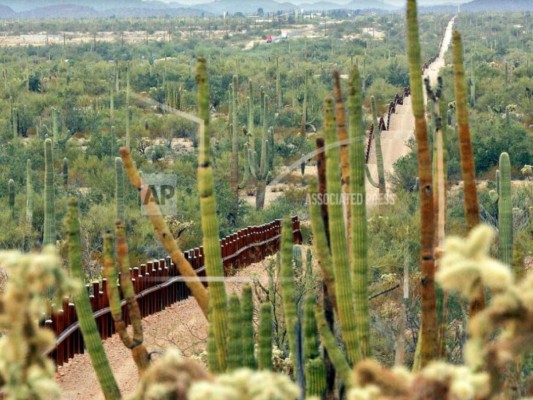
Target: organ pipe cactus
<point>288,290</point>
<point>247,328</point>
<point>377,145</point>
<point>11,190</point>
<point>119,190</point>
<point>505,211</point>
<point>303,123</point>
<point>163,232</point>
<point>88,327</point>
<point>135,342</point>
<point>471,206</point>
<point>428,328</point>
<point>211,241</point>
<point>358,234</point>
<point>234,345</point>
<point>339,245</point>
<point>49,236</point>
<point>315,373</point>
<point>264,360</point>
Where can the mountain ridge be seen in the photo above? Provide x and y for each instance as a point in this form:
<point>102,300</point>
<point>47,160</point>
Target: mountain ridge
<point>140,8</point>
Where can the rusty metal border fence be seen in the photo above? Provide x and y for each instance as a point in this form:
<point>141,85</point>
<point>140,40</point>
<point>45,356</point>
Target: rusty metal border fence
<point>385,126</point>
<point>158,284</point>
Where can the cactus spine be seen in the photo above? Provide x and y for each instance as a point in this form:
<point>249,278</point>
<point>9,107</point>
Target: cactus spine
<point>428,329</point>
<point>119,190</point>
<point>265,337</point>
<point>247,327</point>
<point>11,190</point>
<point>377,144</point>
<point>29,195</point>
<point>235,349</point>
<point>505,211</point>
<point>211,242</point>
<point>471,206</point>
<point>84,312</point>
<point>49,236</point>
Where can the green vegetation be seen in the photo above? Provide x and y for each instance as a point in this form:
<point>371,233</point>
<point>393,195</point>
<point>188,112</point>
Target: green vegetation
<point>333,301</point>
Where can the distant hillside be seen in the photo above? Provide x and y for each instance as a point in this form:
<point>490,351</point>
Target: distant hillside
<point>498,6</point>
<point>6,12</point>
<point>60,11</point>
<point>130,12</point>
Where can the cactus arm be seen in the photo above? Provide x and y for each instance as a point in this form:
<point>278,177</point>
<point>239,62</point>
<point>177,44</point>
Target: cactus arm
<point>471,206</point>
<point>505,211</point>
<point>339,245</point>
<point>465,143</point>
<point>112,292</point>
<point>288,288</point>
<point>428,330</point>
<point>235,350</point>
<point>265,337</point>
<point>315,372</point>
<point>165,236</point>
<point>140,355</point>
<point>320,244</point>
<point>359,239</point>
<point>84,312</point>
<point>377,147</point>
<point>247,315</point>
<point>119,190</point>
<point>49,195</point>
<point>328,341</point>
<point>211,241</point>
<point>212,358</point>
<point>342,135</point>
<point>369,177</point>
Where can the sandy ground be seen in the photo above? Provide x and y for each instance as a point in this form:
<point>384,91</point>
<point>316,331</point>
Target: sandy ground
<point>181,325</point>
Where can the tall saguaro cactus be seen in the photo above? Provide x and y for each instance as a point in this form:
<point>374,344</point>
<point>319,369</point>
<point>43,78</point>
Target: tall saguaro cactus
<point>88,327</point>
<point>428,329</point>
<point>505,211</point>
<point>471,206</point>
<point>234,174</point>
<point>211,242</point>
<point>358,227</point>
<point>49,236</point>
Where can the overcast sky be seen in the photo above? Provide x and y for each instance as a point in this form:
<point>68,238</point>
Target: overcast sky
<point>393,2</point>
